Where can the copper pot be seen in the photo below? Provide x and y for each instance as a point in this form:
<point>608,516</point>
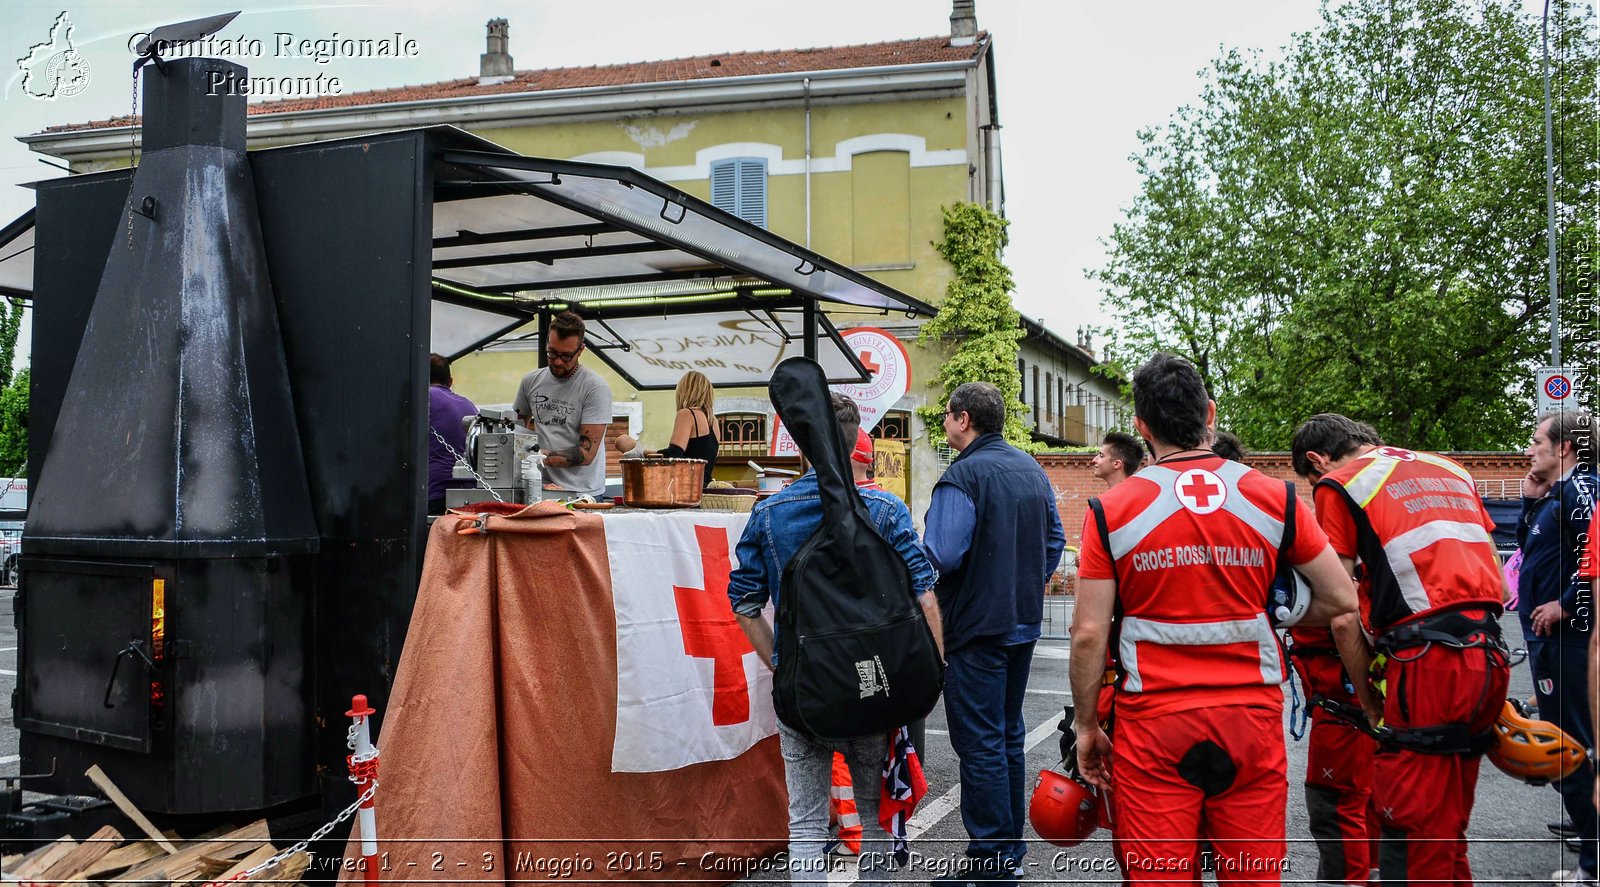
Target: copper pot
<point>662,483</point>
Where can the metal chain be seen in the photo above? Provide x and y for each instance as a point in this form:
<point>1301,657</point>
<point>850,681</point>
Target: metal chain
<point>133,128</point>
<point>463,461</point>
<point>317,835</point>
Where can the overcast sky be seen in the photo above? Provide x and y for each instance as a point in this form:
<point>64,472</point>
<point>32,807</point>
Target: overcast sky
<point>1077,80</point>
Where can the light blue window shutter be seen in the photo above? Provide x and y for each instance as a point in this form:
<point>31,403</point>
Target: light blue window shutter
<point>753,191</point>
<point>739,187</point>
<point>725,185</point>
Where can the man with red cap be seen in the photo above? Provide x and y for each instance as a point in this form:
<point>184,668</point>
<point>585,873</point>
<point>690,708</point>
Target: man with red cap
<point>861,462</point>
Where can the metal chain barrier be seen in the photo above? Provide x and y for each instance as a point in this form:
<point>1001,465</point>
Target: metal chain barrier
<point>363,771</point>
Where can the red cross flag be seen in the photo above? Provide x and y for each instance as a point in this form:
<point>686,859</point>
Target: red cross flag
<point>689,686</point>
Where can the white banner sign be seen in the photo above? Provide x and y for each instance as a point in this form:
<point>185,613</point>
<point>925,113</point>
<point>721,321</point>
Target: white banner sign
<point>1558,389</point>
<point>885,358</point>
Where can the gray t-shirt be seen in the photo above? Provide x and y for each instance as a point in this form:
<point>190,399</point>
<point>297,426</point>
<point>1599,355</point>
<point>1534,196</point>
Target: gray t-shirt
<point>559,407</point>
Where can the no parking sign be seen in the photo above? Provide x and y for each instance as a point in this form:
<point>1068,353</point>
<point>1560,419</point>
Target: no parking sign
<point>1557,389</point>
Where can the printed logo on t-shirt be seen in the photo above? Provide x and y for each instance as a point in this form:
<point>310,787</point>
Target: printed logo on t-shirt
<point>1200,491</point>
<point>548,411</point>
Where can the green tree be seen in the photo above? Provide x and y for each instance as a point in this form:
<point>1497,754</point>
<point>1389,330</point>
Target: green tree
<point>14,425</point>
<point>1361,227</point>
<point>13,393</point>
<point>977,315</point>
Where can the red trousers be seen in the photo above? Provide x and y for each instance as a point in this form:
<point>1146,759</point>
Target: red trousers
<point>1339,800</point>
<point>1217,773</point>
<point>1339,766</point>
<point>1424,800</point>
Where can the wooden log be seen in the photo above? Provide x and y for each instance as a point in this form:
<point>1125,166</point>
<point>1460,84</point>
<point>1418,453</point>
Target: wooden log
<point>258,856</point>
<point>43,858</point>
<point>99,778</point>
<point>182,865</point>
<point>95,847</point>
<point>123,857</point>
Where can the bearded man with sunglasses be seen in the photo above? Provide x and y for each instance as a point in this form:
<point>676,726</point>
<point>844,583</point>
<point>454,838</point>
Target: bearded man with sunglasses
<point>570,407</point>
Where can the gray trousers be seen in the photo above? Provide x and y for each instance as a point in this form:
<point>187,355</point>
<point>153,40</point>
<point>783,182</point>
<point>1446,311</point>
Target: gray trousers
<point>808,772</point>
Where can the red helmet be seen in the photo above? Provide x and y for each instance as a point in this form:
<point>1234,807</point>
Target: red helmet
<point>1063,809</point>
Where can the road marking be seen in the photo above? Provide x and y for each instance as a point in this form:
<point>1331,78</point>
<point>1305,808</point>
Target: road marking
<point>8,649</point>
<point>10,759</point>
<point>8,672</point>
<point>1052,652</point>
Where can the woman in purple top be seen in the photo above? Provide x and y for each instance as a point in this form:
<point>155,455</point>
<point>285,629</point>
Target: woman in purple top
<point>446,409</point>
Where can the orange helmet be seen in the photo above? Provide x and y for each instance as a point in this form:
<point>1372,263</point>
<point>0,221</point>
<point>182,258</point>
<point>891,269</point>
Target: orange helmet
<point>1063,809</point>
<point>1536,752</point>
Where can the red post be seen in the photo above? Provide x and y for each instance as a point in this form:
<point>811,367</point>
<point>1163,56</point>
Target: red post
<point>364,773</point>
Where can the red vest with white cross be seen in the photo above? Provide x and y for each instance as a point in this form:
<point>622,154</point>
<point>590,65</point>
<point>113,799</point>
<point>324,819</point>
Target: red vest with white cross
<point>1194,547</point>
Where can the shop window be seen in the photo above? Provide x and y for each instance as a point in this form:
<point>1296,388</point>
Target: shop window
<point>739,187</point>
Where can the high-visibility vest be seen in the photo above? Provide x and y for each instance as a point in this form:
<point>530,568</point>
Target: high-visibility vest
<point>1422,534</point>
<point>1194,558</point>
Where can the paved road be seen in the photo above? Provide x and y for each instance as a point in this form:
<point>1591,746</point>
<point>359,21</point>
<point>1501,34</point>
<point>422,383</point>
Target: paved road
<point>1508,838</point>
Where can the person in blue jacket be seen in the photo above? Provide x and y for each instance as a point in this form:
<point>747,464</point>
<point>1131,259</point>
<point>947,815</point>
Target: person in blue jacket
<point>1556,604</point>
<point>995,536</point>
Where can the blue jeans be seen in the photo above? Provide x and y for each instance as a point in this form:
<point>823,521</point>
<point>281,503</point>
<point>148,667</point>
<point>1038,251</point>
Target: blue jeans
<point>984,683</point>
<point>1566,668</point>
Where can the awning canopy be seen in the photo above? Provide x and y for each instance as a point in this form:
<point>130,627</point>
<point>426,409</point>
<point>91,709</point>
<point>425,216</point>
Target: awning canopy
<point>16,257</point>
<point>656,271</point>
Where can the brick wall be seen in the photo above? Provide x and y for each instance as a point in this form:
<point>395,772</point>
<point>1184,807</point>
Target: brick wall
<point>1498,476</point>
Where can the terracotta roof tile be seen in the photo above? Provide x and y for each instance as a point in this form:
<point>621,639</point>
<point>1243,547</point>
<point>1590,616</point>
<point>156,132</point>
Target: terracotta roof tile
<point>705,67</point>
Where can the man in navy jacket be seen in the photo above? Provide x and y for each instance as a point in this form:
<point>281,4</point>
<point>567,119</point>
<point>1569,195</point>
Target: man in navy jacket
<point>995,536</point>
<point>1556,604</point>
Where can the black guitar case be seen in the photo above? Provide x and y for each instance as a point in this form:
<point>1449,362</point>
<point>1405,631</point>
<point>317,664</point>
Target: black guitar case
<point>855,654</point>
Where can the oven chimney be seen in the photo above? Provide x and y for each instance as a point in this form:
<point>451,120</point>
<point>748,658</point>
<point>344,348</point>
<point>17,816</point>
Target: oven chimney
<point>494,66</point>
<point>963,23</point>
<point>166,599</point>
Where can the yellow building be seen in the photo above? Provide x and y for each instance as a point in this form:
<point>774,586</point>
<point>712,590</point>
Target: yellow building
<point>851,151</point>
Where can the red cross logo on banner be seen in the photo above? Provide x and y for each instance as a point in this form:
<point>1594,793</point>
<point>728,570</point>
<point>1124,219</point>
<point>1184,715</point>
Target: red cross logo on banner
<point>1200,491</point>
<point>1397,453</point>
<point>866,362</point>
<point>711,632</point>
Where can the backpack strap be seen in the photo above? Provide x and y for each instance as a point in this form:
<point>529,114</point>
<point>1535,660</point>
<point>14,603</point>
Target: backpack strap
<point>1286,542</point>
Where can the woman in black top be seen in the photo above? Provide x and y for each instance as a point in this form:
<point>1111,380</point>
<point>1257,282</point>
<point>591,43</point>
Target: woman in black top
<point>694,435</point>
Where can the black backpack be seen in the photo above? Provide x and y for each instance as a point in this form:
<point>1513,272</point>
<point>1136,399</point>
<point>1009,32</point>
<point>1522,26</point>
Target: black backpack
<point>856,656</point>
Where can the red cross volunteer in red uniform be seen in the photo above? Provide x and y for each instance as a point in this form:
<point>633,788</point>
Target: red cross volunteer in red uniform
<point>1339,753</point>
<point>1431,595</point>
<point>1176,584</point>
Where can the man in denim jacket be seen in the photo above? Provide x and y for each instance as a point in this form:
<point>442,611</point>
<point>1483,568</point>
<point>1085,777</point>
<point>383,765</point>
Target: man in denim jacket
<point>777,529</point>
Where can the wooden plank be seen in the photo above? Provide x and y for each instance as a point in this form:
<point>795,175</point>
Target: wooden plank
<point>99,778</point>
<point>123,857</point>
<point>44,857</point>
<point>84,855</point>
<point>182,865</point>
<point>260,855</point>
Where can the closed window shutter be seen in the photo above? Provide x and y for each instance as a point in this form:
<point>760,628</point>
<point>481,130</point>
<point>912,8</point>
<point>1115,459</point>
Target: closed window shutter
<point>739,187</point>
<point>753,192</point>
<point>725,185</point>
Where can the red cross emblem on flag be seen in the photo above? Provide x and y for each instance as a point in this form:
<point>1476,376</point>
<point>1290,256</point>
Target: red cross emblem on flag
<point>1200,491</point>
<point>711,632</point>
